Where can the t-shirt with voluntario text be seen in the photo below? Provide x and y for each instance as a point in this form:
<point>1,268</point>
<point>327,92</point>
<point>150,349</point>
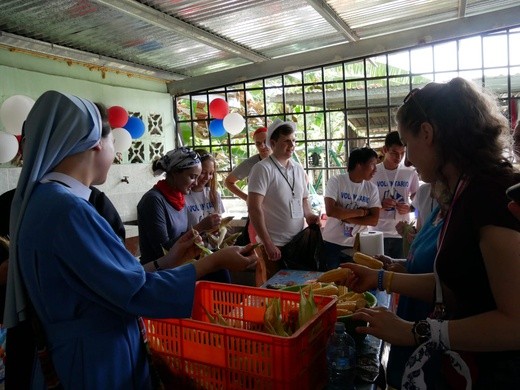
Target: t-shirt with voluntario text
<point>349,195</point>
<point>398,184</point>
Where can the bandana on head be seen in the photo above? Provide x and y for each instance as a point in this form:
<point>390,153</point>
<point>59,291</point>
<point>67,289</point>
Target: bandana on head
<point>58,126</point>
<point>180,158</point>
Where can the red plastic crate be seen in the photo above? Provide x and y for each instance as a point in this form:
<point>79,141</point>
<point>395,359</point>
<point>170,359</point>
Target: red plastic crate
<point>201,355</point>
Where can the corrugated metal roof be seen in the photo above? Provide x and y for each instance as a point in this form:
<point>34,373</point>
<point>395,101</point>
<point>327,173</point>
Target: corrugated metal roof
<point>174,40</point>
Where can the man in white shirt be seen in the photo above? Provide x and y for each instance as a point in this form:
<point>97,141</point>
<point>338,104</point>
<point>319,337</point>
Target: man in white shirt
<point>397,185</point>
<point>277,195</point>
<point>351,203</point>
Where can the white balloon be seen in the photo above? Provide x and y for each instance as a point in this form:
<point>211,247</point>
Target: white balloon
<point>14,112</point>
<point>122,139</point>
<point>234,123</point>
<point>8,147</point>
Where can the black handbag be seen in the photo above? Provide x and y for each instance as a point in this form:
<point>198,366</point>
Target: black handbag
<point>305,251</point>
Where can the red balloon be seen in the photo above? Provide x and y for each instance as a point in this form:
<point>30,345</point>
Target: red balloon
<point>218,108</point>
<point>117,116</point>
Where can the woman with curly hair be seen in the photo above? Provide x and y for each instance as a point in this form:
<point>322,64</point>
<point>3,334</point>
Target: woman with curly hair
<point>455,134</point>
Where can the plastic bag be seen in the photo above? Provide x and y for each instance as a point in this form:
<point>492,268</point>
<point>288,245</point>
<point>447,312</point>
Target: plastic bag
<point>305,251</point>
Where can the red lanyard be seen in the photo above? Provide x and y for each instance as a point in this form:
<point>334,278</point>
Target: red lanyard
<point>439,310</point>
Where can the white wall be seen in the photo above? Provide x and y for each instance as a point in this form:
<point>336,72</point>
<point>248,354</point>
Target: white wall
<point>21,74</point>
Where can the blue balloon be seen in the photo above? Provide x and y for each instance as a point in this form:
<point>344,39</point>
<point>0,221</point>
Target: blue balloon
<point>216,128</point>
<point>135,127</point>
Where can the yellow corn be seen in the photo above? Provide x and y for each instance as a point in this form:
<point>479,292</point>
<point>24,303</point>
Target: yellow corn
<point>367,261</point>
<point>342,290</point>
<point>334,275</point>
<point>343,312</point>
<point>347,305</point>
<point>311,286</point>
<point>361,303</point>
<point>327,290</point>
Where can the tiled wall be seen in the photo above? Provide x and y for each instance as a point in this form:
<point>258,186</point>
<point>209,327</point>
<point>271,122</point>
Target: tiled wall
<point>124,196</point>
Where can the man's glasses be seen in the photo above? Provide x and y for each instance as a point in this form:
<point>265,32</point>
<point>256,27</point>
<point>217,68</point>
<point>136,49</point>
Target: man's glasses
<point>411,96</point>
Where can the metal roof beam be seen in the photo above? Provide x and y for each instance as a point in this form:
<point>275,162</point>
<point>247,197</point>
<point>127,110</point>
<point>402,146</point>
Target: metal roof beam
<point>331,16</point>
<point>177,26</point>
<point>458,28</point>
<point>462,8</point>
<point>19,43</point>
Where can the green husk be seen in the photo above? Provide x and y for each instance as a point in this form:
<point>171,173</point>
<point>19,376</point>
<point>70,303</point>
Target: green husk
<point>205,251</point>
<point>308,308</point>
<point>273,319</point>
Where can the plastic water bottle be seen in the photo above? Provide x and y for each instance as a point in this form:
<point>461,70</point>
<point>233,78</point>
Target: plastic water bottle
<point>341,359</point>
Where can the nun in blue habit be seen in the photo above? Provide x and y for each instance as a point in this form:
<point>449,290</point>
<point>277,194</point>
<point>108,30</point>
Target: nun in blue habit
<point>86,289</point>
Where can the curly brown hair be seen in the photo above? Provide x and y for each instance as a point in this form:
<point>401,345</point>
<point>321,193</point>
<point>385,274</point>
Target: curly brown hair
<point>471,133</point>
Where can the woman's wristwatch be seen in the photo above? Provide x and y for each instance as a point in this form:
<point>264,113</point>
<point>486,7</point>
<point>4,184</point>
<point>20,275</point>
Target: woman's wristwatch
<point>421,332</point>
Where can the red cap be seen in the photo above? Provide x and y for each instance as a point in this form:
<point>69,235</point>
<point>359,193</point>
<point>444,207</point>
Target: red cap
<point>260,130</point>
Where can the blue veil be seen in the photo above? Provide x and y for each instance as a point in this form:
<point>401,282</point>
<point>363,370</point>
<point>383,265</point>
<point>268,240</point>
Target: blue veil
<point>58,125</point>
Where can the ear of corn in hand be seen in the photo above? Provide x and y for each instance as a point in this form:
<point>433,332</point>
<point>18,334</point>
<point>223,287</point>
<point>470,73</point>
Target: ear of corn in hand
<point>334,275</point>
<point>366,260</point>
<point>205,251</point>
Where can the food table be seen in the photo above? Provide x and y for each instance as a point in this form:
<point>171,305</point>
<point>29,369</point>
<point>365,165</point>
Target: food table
<point>369,349</point>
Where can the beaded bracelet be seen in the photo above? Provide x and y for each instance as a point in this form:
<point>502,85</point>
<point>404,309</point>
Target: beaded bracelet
<point>380,276</point>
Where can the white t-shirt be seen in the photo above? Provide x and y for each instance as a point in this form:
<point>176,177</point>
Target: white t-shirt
<point>398,184</point>
<point>243,169</point>
<point>423,202</point>
<point>349,195</point>
<point>283,211</point>
<point>199,205</point>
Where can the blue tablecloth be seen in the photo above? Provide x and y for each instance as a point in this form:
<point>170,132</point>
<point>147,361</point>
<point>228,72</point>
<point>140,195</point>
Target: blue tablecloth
<point>368,349</point>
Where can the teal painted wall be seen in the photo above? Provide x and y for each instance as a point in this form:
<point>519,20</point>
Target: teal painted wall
<point>24,74</point>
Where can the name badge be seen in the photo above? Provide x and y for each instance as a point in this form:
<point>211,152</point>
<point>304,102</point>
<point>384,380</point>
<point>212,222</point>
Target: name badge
<point>347,230</point>
<point>296,208</point>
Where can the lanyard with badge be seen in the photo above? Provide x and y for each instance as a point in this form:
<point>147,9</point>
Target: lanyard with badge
<point>392,187</point>
<point>295,204</point>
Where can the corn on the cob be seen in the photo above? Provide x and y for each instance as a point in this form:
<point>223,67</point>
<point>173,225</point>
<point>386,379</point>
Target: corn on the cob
<point>334,275</point>
<point>307,308</point>
<point>347,305</point>
<point>311,286</point>
<point>361,303</point>
<point>367,260</point>
<point>327,290</point>
<point>342,290</point>
<point>343,312</point>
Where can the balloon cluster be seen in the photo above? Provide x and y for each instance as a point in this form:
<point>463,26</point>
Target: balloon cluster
<point>125,128</point>
<point>224,121</point>
<point>13,113</point>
